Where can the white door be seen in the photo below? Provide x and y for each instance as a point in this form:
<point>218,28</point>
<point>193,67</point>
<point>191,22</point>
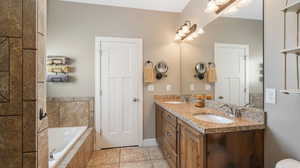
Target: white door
<point>231,86</point>
<point>121,92</point>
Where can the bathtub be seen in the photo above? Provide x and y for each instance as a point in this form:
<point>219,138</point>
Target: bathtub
<point>61,141</point>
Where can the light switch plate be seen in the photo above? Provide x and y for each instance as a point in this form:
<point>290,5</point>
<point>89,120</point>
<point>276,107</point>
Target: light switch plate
<point>270,96</point>
<point>169,88</point>
<point>150,88</point>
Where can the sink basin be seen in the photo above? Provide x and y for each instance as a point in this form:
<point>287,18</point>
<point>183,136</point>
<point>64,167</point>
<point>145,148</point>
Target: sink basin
<point>174,102</point>
<point>213,118</point>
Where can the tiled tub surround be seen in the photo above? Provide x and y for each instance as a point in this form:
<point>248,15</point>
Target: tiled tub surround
<point>80,153</point>
<point>251,119</point>
<point>61,140</point>
<point>70,112</point>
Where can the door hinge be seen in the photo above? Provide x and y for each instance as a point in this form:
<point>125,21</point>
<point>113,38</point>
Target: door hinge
<point>100,92</point>
<point>245,90</point>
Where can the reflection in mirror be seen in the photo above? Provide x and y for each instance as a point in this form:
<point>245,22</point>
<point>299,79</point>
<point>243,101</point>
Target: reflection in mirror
<point>200,69</point>
<point>232,52</point>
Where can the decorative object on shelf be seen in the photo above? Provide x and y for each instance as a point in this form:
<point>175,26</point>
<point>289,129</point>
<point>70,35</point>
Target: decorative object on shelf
<point>58,78</point>
<point>200,69</point>
<point>58,69</point>
<point>161,69</point>
<point>228,6</point>
<point>188,31</point>
<point>58,60</point>
<point>149,74</point>
<point>293,8</point>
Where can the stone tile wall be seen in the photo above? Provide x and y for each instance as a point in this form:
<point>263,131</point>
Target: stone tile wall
<point>69,112</point>
<point>23,137</point>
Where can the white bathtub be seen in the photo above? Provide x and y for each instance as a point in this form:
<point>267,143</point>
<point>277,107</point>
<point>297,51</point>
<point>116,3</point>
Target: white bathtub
<point>61,141</point>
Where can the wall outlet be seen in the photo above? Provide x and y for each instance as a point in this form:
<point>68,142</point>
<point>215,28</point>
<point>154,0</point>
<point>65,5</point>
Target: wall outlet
<point>169,88</point>
<point>150,88</point>
<point>270,95</point>
<point>207,87</point>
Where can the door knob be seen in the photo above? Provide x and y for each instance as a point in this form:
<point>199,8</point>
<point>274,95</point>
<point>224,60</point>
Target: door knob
<point>135,99</point>
<point>221,97</point>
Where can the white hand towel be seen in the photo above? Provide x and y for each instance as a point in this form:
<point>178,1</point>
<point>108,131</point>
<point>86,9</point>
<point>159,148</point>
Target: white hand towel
<point>288,163</point>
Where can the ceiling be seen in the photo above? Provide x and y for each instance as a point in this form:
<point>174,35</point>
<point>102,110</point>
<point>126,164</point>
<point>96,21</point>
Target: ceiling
<point>253,11</point>
<point>158,5</point>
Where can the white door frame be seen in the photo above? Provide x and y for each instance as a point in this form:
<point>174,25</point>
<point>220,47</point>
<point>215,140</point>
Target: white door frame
<point>98,112</point>
<point>246,47</point>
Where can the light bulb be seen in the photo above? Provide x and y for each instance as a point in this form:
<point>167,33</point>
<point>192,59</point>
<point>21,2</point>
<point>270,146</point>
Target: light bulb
<point>200,31</point>
<point>181,33</point>
<point>177,37</point>
<point>231,10</point>
<point>185,29</point>
<point>190,38</point>
<point>195,35</point>
<point>221,2</point>
<point>211,7</point>
<point>243,3</point>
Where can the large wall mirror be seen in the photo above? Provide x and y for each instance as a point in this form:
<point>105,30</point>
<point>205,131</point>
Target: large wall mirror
<point>231,51</point>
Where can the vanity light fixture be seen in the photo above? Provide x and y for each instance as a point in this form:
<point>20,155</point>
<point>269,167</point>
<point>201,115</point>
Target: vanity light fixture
<point>188,31</point>
<point>217,6</point>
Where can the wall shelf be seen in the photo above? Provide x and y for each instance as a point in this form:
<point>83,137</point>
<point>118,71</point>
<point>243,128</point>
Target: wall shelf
<point>294,7</point>
<point>291,51</point>
<point>290,91</point>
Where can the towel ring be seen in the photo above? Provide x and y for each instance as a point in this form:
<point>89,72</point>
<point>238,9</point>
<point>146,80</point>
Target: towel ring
<point>148,62</point>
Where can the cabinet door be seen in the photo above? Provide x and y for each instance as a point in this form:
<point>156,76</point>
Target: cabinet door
<point>159,125</point>
<point>191,148</point>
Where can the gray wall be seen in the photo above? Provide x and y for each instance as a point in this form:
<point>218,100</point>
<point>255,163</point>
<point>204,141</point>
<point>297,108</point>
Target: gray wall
<point>282,135</point>
<point>225,30</point>
<point>72,28</point>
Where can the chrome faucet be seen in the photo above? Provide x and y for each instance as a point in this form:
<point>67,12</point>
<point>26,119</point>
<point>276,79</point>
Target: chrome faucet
<point>234,111</point>
<point>185,98</point>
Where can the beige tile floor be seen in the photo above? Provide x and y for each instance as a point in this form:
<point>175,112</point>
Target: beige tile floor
<point>131,157</point>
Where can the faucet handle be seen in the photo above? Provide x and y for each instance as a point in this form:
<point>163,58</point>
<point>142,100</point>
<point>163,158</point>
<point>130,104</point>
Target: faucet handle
<point>239,110</point>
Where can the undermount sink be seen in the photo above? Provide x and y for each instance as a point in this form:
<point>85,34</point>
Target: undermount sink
<point>174,102</point>
<point>213,118</point>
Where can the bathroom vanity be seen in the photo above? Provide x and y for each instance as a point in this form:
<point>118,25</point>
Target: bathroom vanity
<point>188,142</point>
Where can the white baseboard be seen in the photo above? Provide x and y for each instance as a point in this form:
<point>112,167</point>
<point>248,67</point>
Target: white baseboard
<point>149,142</point>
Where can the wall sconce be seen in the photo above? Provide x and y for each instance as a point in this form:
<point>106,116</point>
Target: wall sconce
<point>188,31</point>
<point>217,6</point>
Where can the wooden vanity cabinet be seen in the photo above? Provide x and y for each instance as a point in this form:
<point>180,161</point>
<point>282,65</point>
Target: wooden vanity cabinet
<point>159,126</point>
<point>191,147</point>
<point>185,147</point>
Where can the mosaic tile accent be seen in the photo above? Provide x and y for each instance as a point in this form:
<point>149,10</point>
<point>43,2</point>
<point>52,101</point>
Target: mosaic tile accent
<point>4,54</point>
<point>4,87</point>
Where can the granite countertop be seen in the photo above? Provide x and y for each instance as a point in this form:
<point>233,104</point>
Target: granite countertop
<point>186,111</point>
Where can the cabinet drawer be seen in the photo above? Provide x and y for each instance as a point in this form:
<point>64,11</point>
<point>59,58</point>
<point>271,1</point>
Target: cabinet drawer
<point>170,155</point>
<point>170,135</point>
<point>170,118</point>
